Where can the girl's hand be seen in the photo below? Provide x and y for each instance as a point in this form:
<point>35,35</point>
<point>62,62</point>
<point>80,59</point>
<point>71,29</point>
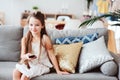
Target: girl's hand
<point>63,72</point>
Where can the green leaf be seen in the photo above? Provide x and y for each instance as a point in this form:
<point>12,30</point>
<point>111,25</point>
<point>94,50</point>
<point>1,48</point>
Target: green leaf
<point>94,19</point>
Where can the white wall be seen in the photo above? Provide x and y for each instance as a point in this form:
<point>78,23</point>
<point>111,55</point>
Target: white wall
<point>14,8</point>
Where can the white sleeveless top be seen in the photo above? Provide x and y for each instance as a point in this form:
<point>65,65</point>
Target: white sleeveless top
<point>43,58</point>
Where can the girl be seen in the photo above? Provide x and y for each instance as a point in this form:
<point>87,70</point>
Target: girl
<point>36,49</point>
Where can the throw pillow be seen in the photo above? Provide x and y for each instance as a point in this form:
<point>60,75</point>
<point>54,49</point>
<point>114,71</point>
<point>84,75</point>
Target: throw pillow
<point>67,55</point>
<point>84,39</point>
<point>93,54</point>
<point>109,68</point>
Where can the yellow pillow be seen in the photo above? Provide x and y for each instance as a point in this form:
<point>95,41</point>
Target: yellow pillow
<point>67,55</point>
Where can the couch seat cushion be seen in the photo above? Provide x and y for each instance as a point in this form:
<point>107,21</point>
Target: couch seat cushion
<point>76,76</point>
<point>6,70</point>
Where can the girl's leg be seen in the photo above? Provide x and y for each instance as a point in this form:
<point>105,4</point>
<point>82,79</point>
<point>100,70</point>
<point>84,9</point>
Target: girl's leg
<point>23,77</point>
<point>16,74</point>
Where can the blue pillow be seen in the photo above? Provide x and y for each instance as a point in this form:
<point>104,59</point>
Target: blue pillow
<point>84,39</point>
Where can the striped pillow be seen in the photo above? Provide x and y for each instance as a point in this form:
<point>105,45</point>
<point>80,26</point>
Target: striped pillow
<point>84,39</point>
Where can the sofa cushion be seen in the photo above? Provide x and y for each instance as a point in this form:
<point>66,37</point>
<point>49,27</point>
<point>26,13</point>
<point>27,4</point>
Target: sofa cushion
<point>75,33</point>
<point>67,55</point>
<point>72,24</point>
<point>85,76</point>
<point>93,54</point>
<point>84,39</point>
<point>6,70</point>
<point>10,38</point>
<point>109,68</point>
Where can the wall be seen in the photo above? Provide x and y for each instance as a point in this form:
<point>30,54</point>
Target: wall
<point>14,8</point>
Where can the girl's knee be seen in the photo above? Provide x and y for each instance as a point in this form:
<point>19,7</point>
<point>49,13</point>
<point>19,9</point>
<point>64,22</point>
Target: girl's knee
<point>16,74</point>
<point>15,71</point>
<point>23,77</point>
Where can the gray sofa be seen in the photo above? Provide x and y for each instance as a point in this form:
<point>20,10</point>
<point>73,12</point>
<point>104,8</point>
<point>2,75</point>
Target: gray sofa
<point>10,37</point>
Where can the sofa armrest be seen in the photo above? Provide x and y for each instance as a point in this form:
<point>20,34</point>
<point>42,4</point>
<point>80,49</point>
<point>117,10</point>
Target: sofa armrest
<point>111,41</point>
<point>117,60</point>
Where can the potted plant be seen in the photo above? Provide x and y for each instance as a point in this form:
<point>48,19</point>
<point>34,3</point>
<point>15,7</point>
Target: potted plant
<point>35,8</point>
<point>115,14</point>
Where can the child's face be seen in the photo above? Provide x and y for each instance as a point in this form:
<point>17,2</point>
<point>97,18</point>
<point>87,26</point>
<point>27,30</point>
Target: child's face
<point>35,25</point>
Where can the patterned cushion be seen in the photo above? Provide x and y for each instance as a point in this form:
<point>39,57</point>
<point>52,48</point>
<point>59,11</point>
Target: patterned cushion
<point>84,39</point>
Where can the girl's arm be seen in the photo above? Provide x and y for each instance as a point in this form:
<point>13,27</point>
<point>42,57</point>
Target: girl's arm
<point>23,48</point>
<point>52,57</point>
<point>24,55</point>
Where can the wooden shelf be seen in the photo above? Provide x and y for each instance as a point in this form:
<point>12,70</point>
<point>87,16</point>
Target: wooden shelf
<point>52,17</point>
<point>23,22</point>
<point>24,17</point>
<point>55,16</point>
